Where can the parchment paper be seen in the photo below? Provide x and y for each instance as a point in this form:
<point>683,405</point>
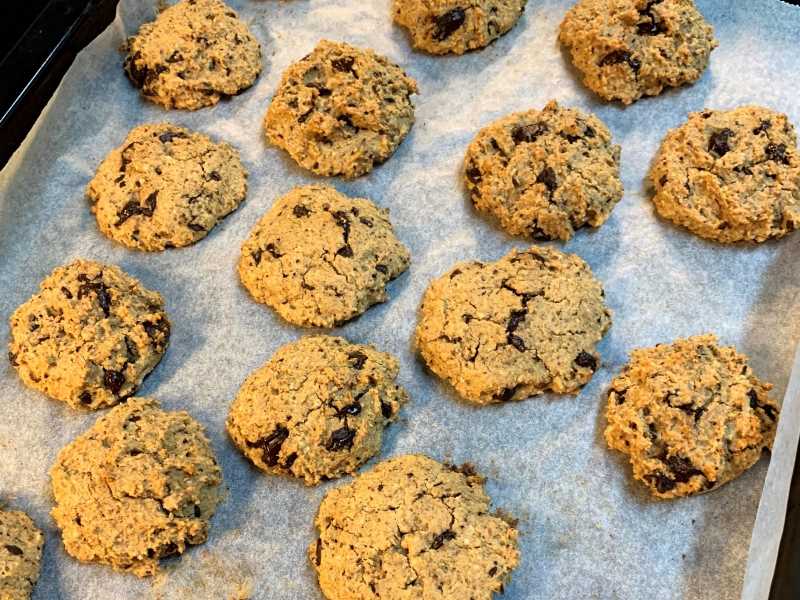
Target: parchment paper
<point>588,531</point>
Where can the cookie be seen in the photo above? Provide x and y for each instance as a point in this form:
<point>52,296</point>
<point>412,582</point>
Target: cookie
<point>317,409</point>
<point>139,485</point>
<point>690,415</point>
<point>412,527</point>
<point>730,176</point>
<point>20,555</point>
<point>90,336</point>
<point>195,53</point>
<point>455,26</point>
<point>320,258</point>
<point>627,49</point>
<point>341,110</point>
<point>165,187</point>
<point>544,174</point>
<point>513,328</point>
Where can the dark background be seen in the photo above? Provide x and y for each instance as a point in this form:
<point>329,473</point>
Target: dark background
<point>38,42</point>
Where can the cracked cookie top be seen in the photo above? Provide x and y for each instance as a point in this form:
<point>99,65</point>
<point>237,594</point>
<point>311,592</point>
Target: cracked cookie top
<point>320,258</point>
<point>412,528</point>
<point>165,187</point>
<point>195,53</point>
<point>691,416</point>
<point>730,175</point>
<point>544,174</point>
<point>317,409</point>
<point>139,485</point>
<point>20,555</point>
<point>90,336</point>
<point>517,327</point>
<point>341,110</point>
<point>457,26</point>
<point>627,49</point>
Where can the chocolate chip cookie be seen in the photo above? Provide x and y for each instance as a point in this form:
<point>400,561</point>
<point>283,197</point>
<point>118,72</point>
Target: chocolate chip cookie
<point>691,416</point>
<point>139,485</point>
<point>513,328</point>
<point>317,409</point>
<point>195,53</point>
<point>166,187</point>
<point>413,528</point>
<point>730,175</point>
<point>627,49</point>
<point>20,555</point>
<point>544,173</point>
<point>90,336</point>
<point>341,110</point>
<point>320,258</point>
<point>456,26</point>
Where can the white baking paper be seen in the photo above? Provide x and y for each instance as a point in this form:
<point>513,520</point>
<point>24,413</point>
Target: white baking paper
<point>587,529</point>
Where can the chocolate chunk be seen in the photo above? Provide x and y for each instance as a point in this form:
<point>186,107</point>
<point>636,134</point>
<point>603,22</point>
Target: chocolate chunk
<point>344,64</point>
<point>763,127</point>
<point>455,272</point>
<point>171,135</point>
<point>273,250</point>
<point>589,132</point>
<point>113,380</point>
<point>366,221</point>
<point>318,553</point>
<point>132,349</point>
<point>516,341</point>
<point>386,410</point>
<point>358,358</point>
<point>345,251</point>
<point>754,404</point>
<point>506,394</point>
<point>527,133</point>
<point>662,482</point>
<point>682,468</point>
<point>137,74</point>
<point>287,464</point>
<point>12,358</point>
<point>718,142</point>
<point>493,571</point>
<point>85,398</point>
<point>300,211</point>
<point>195,227</point>
<point>351,409</point>
<point>777,153</point>
<point>12,549</point>
<point>586,360</point>
<point>548,178</point>
<point>473,173</point>
<point>443,537</point>
<point>382,268</point>
<point>256,255</point>
<point>621,56</point>
<point>448,23</point>
<point>214,175</point>
<point>271,445</point>
<point>341,439</point>
<point>620,395</point>
<point>67,293</point>
<point>101,291</point>
<point>132,208</point>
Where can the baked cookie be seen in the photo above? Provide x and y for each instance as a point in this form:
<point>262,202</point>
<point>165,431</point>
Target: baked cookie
<point>20,555</point>
<point>341,110</point>
<point>627,49</point>
<point>691,416</point>
<point>139,485</point>
<point>193,54</point>
<point>165,187</point>
<point>517,327</point>
<point>456,26</point>
<point>413,528</point>
<point>544,174</point>
<point>320,258</point>
<point>317,409</point>
<point>90,336</point>
<point>730,175</point>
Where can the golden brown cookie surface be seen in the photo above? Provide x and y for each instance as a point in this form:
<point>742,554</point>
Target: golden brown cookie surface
<point>89,336</point>
<point>519,326</point>
<point>317,409</point>
<point>456,26</point>
<point>544,174</point>
<point>166,187</point>
<point>627,49</point>
<point>341,110</point>
<point>730,175</point>
<point>139,485</point>
<point>412,528</point>
<point>691,416</point>
<point>320,258</point>
<point>195,53</point>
